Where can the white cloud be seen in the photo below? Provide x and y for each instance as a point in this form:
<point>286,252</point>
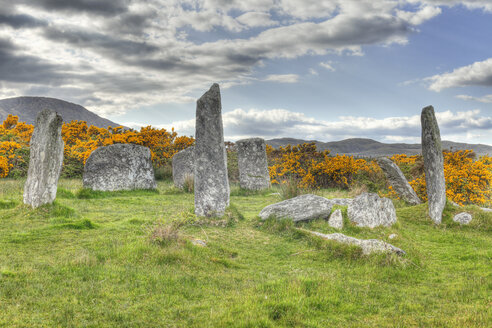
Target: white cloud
<point>256,19</point>
<point>487,99</point>
<point>478,73</point>
<point>282,78</point>
<point>328,65</point>
<point>240,123</point>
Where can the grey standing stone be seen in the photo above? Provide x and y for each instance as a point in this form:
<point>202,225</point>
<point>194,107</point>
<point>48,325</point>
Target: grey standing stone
<point>119,167</point>
<point>433,164</point>
<point>252,163</point>
<point>183,166</point>
<point>46,159</point>
<point>368,246</point>
<point>336,219</point>
<point>300,208</point>
<point>369,210</point>
<point>211,181</point>
<point>463,218</point>
<point>398,181</point>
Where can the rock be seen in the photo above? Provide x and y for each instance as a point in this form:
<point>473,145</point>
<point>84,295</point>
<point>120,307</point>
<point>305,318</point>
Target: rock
<point>398,181</point>
<point>199,242</point>
<point>46,159</point>
<point>433,164</point>
<point>300,208</point>
<point>369,210</point>
<point>336,219</point>
<point>486,209</point>
<point>341,201</point>
<point>211,181</point>
<point>119,167</point>
<point>183,166</point>
<point>393,236</point>
<point>252,163</point>
<point>368,246</point>
<point>462,218</point>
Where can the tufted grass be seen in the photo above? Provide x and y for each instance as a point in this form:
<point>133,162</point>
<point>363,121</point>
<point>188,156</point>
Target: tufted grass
<point>91,262</point>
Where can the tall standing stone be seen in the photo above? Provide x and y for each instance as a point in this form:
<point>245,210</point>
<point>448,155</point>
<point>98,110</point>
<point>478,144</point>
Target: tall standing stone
<point>433,164</point>
<point>253,164</point>
<point>211,181</point>
<point>46,159</point>
<point>398,181</point>
<point>183,166</point>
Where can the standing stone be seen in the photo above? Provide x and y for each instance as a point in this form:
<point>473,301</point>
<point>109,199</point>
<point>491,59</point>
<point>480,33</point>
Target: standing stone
<point>183,166</point>
<point>252,163</point>
<point>119,167</point>
<point>433,164</point>
<point>211,181</point>
<point>369,210</point>
<point>46,159</point>
<point>398,181</point>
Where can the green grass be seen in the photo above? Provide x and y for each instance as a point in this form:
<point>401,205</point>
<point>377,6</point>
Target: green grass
<point>90,262</point>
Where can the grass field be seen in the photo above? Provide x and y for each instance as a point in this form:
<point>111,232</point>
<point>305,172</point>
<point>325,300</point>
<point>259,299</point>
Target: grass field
<point>90,261</point>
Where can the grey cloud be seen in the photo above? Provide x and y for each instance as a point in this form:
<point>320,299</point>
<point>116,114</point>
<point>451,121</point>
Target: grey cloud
<point>20,21</point>
<point>90,6</point>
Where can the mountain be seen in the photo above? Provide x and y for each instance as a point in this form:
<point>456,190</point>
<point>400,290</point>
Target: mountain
<point>371,148</point>
<point>27,108</point>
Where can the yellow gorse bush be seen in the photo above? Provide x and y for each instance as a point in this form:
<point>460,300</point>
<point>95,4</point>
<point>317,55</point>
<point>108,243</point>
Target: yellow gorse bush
<point>81,140</point>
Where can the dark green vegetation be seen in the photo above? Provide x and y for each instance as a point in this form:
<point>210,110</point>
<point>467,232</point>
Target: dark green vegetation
<point>126,260</point>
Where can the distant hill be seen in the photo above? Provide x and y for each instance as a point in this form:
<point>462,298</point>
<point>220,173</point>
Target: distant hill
<point>27,108</point>
<point>371,148</point>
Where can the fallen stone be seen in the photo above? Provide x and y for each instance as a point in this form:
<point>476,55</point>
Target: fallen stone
<point>199,242</point>
<point>211,181</point>
<point>368,246</point>
<point>398,181</point>
<point>341,201</point>
<point>46,159</point>
<point>369,210</point>
<point>486,209</point>
<point>183,166</point>
<point>433,164</point>
<point>119,167</point>
<point>252,164</point>
<point>300,208</point>
<point>463,218</point>
<point>336,219</point>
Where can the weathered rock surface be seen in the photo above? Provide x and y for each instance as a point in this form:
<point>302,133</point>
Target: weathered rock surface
<point>211,181</point>
<point>463,218</point>
<point>398,181</point>
<point>46,159</point>
<point>300,208</point>
<point>252,163</point>
<point>119,167</point>
<point>433,164</point>
<point>369,210</point>
<point>486,209</point>
<point>336,219</point>
<point>368,246</point>
<point>183,166</point>
<point>341,201</point>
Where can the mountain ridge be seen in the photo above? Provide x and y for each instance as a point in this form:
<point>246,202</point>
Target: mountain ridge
<point>28,107</point>
<point>365,147</point>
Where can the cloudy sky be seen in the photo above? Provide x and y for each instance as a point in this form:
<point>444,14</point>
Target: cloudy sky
<point>310,69</point>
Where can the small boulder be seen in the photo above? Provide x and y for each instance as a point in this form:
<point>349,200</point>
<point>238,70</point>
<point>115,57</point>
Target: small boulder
<point>336,219</point>
<point>300,208</point>
<point>463,218</point>
<point>119,167</point>
<point>393,236</point>
<point>369,210</point>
